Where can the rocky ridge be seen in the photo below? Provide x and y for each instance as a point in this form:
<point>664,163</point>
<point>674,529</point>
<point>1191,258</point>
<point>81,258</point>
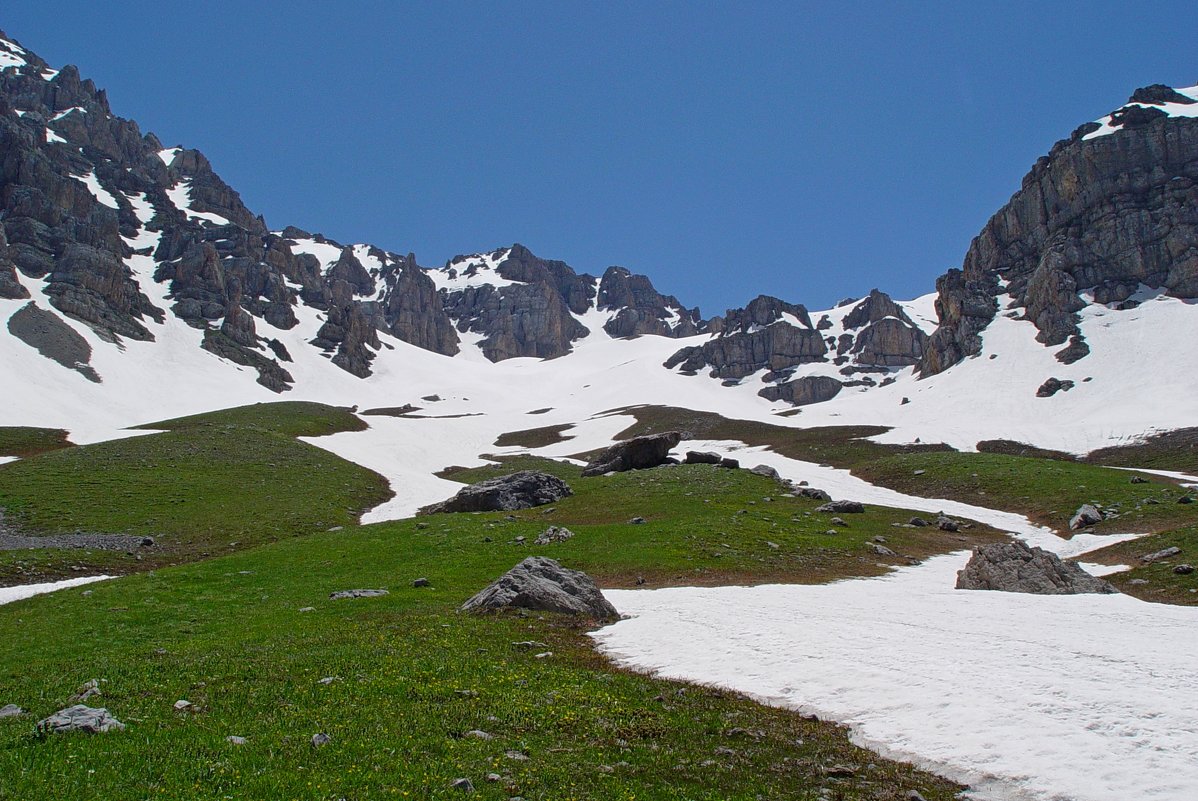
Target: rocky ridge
<point>102,224</point>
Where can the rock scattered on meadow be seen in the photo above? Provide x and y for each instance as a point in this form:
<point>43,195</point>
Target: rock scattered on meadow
<point>79,717</point>
<point>553,534</point>
<point>357,594</point>
<point>842,507</point>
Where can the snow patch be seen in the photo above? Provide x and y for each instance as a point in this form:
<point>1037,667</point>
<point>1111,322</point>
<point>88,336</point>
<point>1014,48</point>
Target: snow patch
<point>93,185</point>
<point>180,195</point>
<point>1170,109</point>
<point>10,594</point>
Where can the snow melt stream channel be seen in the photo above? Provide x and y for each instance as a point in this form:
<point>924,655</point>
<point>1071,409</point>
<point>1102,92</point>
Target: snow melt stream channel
<point>1085,697</point>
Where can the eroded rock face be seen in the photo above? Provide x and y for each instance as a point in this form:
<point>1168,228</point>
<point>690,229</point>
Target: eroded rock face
<point>745,347</point>
<point>637,453</point>
<point>642,309</point>
<point>1101,215</point>
<point>543,585</point>
<point>1015,567</point>
<point>522,490</point>
<point>804,391</point>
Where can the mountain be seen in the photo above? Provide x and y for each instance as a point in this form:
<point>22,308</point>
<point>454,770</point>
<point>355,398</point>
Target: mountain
<point>135,284</point>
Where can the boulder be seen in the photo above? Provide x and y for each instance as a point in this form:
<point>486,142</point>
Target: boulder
<point>1086,515</point>
<point>765,470</point>
<point>637,453</point>
<point>842,507</point>
<point>79,718</point>
<point>1015,567</point>
<point>11,711</point>
<point>702,457</point>
<point>813,493</point>
<point>543,585</point>
<point>522,490</point>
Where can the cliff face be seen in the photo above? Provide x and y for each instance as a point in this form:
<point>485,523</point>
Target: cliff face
<point>1112,208</point>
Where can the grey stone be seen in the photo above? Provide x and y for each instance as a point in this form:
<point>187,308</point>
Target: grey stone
<point>842,507</point>
<point>10,711</point>
<point>553,534</point>
<point>880,550</point>
<point>945,523</point>
<point>320,739</point>
<point>1164,553</point>
<point>701,457</point>
<point>79,718</point>
<point>918,522</point>
<point>542,584</point>
<point>357,594</point>
<point>463,784</point>
<point>1086,515</point>
<point>421,582</point>
<point>522,490</point>
<point>765,470</point>
<point>1015,567</point>
<point>1183,570</point>
<point>234,739</point>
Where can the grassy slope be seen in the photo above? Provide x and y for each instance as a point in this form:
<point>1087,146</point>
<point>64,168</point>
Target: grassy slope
<point>227,634</point>
<point>217,483</point>
<point>1047,490</point>
<point>24,441</point>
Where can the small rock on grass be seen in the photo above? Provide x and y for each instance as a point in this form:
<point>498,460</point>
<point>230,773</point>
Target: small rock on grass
<point>181,705</point>
<point>320,739</point>
<point>478,734</point>
<point>357,594</point>
<point>421,582</point>
<point>233,739</point>
<point>463,784</point>
<point>10,711</point>
<point>1181,570</point>
<point>1161,554</point>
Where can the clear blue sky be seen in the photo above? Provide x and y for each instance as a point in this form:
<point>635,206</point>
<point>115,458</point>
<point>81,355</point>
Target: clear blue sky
<point>806,150</point>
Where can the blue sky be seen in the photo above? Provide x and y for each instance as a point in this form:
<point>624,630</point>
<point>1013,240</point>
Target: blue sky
<point>810,151</point>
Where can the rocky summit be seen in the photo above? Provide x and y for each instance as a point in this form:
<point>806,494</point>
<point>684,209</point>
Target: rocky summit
<point>109,236</point>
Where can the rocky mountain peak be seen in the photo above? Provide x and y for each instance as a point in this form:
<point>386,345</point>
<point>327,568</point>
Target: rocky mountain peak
<point>1108,213</point>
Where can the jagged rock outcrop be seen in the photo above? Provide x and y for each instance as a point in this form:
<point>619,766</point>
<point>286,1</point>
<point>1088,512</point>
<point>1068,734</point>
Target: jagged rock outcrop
<point>533,317</point>
<point>1015,567</point>
<point>641,309</point>
<point>1105,212</point>
<point>758,337</point>
<point>638,453</point>
<point>543,585</point>
<point>887,336</point>
<point>413,311</point>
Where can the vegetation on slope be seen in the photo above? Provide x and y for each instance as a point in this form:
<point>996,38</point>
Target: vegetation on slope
<point>216,483</point>
<point>24,441</point>
<point>411,677</point>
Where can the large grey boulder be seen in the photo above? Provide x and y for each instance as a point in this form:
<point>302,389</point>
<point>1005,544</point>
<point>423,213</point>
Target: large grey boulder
<point>543,585</point>
<point>842,507</point>
<point>637,453</point>
<point>79,718</point>
<point>522,490</point>
<point>1015,567</point>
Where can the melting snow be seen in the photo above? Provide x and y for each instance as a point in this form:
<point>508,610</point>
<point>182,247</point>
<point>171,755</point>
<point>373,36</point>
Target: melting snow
<point>1085,697</point>
<point>10,594</point>
<point>180,195</point>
